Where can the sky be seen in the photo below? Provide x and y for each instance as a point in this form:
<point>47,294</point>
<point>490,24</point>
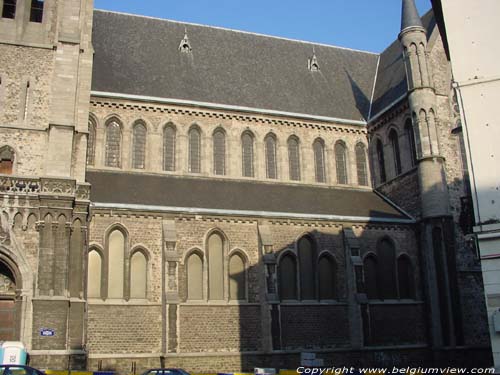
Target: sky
<point>368,25</point>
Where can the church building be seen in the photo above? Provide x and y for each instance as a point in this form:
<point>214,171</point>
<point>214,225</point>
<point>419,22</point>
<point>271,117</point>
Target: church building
<point>181,195</point>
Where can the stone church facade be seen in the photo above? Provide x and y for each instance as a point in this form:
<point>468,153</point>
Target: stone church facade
<point>189,196</point>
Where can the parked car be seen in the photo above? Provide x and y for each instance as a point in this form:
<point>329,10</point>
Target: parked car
<point>19,370</point>
<point>164,371</point>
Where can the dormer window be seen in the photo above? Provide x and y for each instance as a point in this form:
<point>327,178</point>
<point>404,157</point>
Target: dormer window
<point>184,45</point>
<point>312,63</point>
<point>9,9</point>
<point>36,13</point>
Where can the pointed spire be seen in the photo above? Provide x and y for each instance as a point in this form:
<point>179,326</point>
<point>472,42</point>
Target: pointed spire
<point>410,17</point>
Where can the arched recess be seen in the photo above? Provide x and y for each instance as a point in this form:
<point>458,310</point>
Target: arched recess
<point>237,276</point>
<point>287,277</point>
<point>410,139</point>
<point>327,277</point>
<point>116,242</point>
<point>216,244</point>
<point>139,273</point>
<point>406,281</point>
<point>91,140</point>
<point>194,272</point>
<point>370,265</point>
<point>7,159</point>
<point>113,143</point>
<point>306,249</point>
<point>94,273</point>
<point>386,268</point>
<point>10,284</point>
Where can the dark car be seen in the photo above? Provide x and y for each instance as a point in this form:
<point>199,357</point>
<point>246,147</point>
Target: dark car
<point>164,371</point>
<point>19,370</point>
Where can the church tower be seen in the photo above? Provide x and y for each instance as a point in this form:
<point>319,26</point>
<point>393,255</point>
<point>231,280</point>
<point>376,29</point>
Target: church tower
<point>45,76</point>
<point>436,227</point>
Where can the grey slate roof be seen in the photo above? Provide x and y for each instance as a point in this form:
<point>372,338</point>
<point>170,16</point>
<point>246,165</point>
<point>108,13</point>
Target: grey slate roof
<point>409,15</point>
<point>221,194</point>
<point>391,77</point>
<point>140,56</point>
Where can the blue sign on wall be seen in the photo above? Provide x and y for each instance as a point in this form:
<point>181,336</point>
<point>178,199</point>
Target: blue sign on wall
<point>47,332</point>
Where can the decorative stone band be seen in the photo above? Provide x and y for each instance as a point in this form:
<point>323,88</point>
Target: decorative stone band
<point>46,186</point>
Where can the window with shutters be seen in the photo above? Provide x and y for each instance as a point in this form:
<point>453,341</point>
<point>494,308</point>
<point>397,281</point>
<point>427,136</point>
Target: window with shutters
<point>194,150</point>
<point>271,163</point>
<point>247,154</point>
<point>327,274</point>
<point>91,142</point>
<point>113,144</point>
<point>393,139</point>
<point>341,162</point>
<point>219,149</point>
<point>237,277</point>
<point>194,270</point>
<point>380,160</point>
<point>169,135</point>
<point>361,165</point>
<point>410,138</point>
<point>139,146</point>
<point>294,158</point>
<point>6,160</point>
<point>319,160</point>
<point>287,277</point>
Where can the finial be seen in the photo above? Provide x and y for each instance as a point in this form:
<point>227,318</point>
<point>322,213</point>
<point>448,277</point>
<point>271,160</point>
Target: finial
<point>184,45</point>
<point>312,63</point>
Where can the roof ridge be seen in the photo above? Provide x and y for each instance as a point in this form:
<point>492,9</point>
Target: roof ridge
<point>238,31</point>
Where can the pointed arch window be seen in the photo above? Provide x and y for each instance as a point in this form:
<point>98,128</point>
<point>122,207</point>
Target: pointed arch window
<point>271,164</point>
<point>113,144</point>
<point>247,154</point>
<point>94,274</point>
<point>380,160</point>
<point>327,273</point>
<point>341,162</point>
<point>194,150</point>
<point>138,275</point>
<point>294,158</point>
<point>219,149</point>
<point>237,277</point>
<point>386,255</point>
<point>139,146</point>
<point>169,136</point>
<point>91,142</point>
<point>194,270</point>
<point>6,160</point>
<point>215,267</point>
<point>319,160</point>
<point>410,137</point>
<point>393,139</point>
<point>361,164</point>
<point>116,262</point>
<point>287,277</point>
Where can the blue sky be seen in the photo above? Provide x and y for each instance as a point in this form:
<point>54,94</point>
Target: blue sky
<point>369,25</point>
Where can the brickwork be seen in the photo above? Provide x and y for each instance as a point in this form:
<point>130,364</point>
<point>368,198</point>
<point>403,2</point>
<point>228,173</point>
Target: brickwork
<point>314,327</point>
<point>389,324</point>
<point>124,329</point>
<point>219,328</point>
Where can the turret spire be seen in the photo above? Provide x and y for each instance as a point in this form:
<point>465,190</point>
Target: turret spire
<point>409,16</point>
